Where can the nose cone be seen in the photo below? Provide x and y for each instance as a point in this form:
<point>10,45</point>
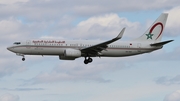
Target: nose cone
<point>9,48</point>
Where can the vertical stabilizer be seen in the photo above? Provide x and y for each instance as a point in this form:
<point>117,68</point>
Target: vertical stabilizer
<point>155,31</point>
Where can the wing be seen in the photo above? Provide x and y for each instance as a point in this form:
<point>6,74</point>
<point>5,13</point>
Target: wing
<point>96,49</point>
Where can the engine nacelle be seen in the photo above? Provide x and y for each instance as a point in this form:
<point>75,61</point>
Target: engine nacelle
<point>66,58</point>
<point>72,53</point>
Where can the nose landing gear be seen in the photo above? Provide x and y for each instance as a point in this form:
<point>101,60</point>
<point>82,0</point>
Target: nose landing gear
<point>89,60</point>
<point>23,59</point>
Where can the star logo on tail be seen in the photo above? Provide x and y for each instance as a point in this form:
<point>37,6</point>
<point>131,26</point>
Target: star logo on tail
<point>149,36</point>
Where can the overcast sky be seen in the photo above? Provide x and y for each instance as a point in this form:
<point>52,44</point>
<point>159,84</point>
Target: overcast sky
<point>149,77</point>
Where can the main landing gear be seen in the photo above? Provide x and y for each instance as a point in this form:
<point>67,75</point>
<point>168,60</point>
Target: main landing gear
<point>88,60</point>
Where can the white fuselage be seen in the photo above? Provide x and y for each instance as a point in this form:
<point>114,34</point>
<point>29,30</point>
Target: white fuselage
<point>58,47</point>
<point>70,50</point>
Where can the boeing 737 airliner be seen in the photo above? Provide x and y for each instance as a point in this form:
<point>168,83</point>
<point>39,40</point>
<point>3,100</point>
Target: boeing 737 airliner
<point>70,50</point>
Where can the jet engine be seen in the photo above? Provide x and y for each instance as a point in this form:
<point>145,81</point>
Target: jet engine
<point>72,53</point>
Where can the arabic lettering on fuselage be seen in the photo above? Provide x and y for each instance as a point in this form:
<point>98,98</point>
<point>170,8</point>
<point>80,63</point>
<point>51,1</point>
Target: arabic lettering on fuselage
<point>47,41</point>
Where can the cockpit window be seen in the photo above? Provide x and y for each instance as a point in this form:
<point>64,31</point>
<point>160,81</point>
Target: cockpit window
<point>17,43</point>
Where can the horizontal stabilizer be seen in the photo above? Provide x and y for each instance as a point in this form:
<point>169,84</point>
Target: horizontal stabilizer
<point>161,43</point>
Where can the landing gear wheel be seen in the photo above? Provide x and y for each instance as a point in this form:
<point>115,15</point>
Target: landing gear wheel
<point>86,61</point>
<point>23,59</point>
<point>90,60</point>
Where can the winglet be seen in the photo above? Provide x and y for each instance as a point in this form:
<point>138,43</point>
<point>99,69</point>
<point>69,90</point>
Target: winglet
<point>121,33</point>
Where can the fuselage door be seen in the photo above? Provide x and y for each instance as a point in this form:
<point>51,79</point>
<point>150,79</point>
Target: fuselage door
<point>28,43</point>
<point>139,47</point>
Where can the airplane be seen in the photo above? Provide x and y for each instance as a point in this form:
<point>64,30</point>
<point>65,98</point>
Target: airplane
<point>72,49</point>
